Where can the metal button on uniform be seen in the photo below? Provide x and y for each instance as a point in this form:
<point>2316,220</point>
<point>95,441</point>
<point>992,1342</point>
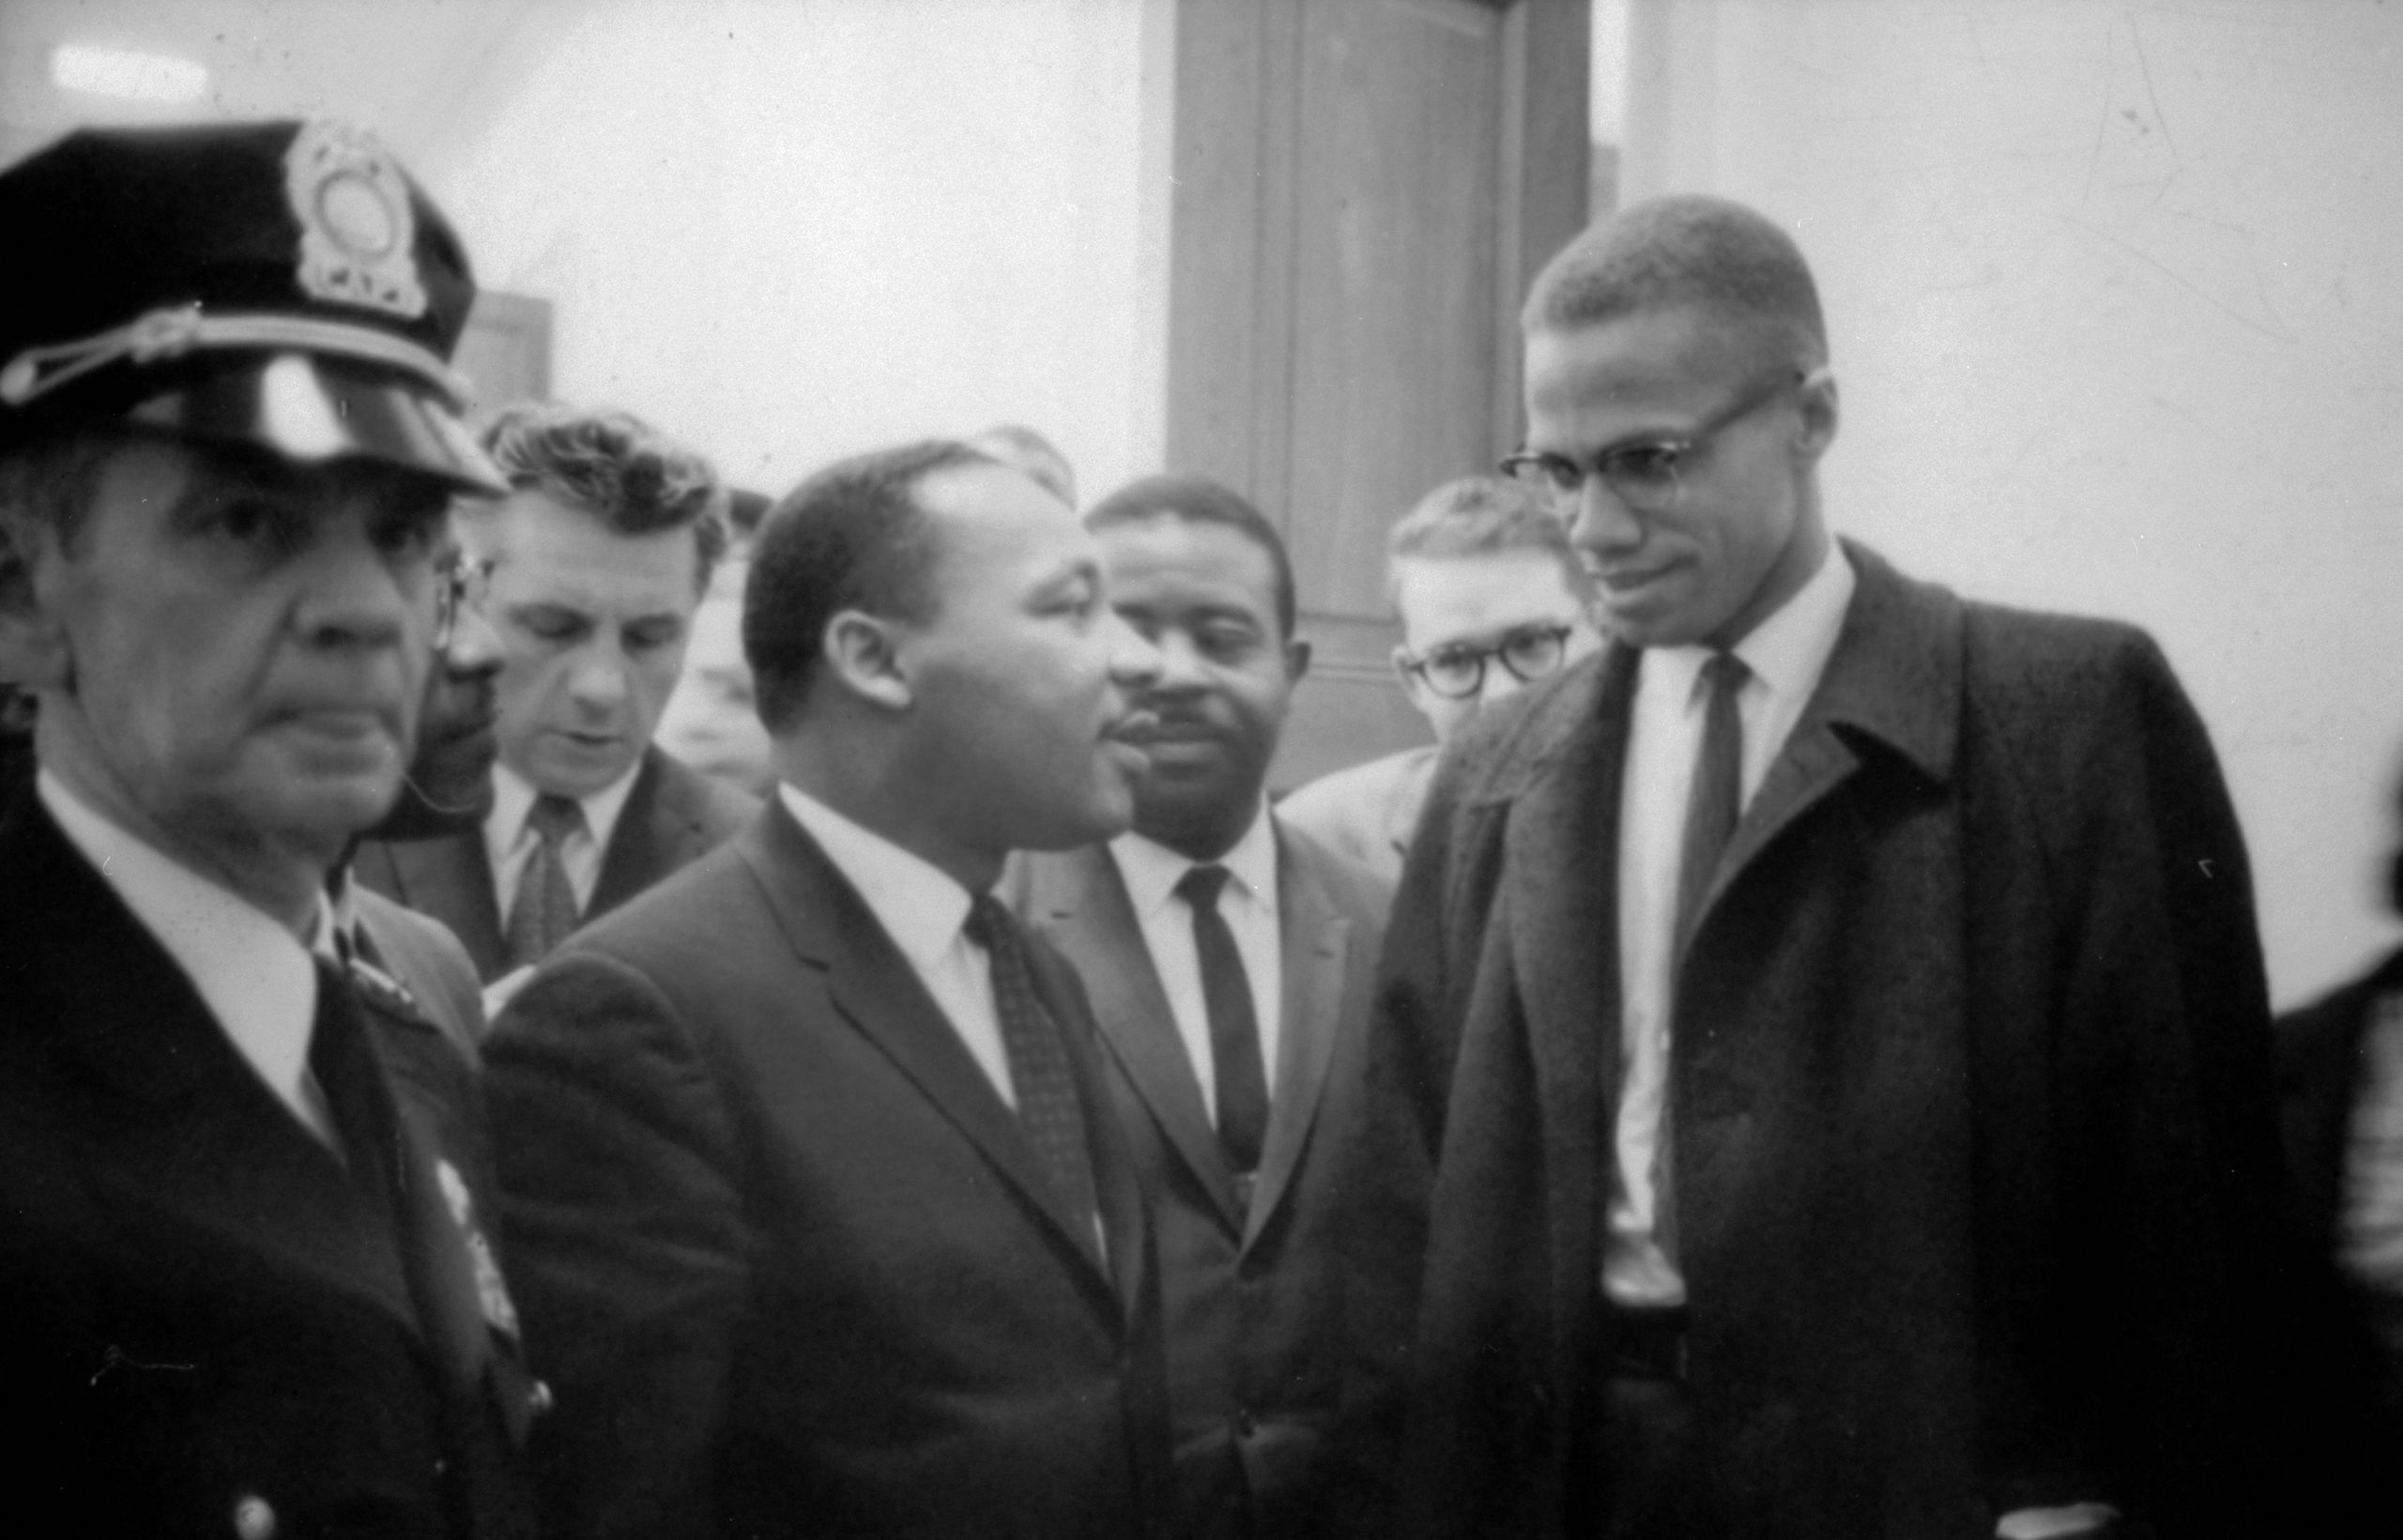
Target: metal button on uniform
<point>539,1399</point>
<point>253,1518</point>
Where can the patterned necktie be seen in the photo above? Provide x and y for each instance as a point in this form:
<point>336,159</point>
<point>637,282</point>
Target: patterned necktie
<point>544,911</point>
<point>1716,798</point>
<point>1049,1109</point>
<point>1234,1024</point>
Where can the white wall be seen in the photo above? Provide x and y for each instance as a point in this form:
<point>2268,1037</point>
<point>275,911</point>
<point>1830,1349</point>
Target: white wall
<point>2118,314</point>
<point>789,231</point>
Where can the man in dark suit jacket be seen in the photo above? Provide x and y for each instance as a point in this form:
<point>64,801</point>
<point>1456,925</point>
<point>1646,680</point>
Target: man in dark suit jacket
<point>1235,1074</point>
<point>247,1286</point>
<point>1819,1084</point>
<point>590,570</point>
<point>821,1220</point>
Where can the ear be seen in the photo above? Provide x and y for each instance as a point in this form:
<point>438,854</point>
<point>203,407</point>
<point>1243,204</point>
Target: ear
<point>1411,685</point>
<point>1297,660</point>
<point>32,644</point>
<point>1817,410</point>
<point>865,653</point>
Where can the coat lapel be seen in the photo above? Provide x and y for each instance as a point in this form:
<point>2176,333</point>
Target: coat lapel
<point>871,985</point>
<point>1559,911</point>
<point>1082,904</point>
<point>1893,680</point>
<point>1315,940</point>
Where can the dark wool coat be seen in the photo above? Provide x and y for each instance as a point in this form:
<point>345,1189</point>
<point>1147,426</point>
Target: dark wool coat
<point>1969,1086</point>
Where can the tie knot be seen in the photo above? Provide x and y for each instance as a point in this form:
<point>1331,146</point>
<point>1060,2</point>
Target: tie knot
<point>1201,886</point>
<point>1724,673</point>
<point>554,817</point>
<point>988,923</point>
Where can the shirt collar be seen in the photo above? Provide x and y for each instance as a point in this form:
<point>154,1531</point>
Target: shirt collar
<point>917,902</point>
<point>1152,870</point>
<point>513,798</point>
<point>255,976</point>
<point>1786,654</point>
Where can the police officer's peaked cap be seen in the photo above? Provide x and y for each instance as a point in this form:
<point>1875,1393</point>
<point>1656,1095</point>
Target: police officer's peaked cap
<point>285,284</point>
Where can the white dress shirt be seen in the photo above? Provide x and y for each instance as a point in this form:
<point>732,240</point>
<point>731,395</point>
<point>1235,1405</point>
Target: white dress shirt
<point>1786,654</point>
<point>922,909</point>
<point>250,970</point>
<point>510,843</point>
<point>1248,905</point>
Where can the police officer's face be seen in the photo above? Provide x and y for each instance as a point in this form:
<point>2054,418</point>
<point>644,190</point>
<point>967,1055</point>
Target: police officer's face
<point>595,625</point>
<point>1742,535</point>
<point>240,648</point>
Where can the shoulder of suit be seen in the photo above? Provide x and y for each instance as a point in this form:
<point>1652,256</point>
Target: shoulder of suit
<point>717,809</point>
<point>1357,888</point>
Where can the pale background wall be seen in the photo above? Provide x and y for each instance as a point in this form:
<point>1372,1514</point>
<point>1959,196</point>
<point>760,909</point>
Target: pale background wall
<point>2117,308</point>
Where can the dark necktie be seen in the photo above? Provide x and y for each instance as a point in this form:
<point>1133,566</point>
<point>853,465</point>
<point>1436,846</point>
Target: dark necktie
<point>1049,1109</point>
<point>1716,798</point>
<point>544,911</point>
<point>1235,1025</point>
<point>403,1195</point>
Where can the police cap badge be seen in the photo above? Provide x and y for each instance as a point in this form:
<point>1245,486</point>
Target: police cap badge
<point>285,284</point>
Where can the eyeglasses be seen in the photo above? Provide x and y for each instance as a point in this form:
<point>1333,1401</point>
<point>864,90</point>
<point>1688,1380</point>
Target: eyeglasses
<point>1644,476</point>
<point>460,581</point>
<point>1456,670</point>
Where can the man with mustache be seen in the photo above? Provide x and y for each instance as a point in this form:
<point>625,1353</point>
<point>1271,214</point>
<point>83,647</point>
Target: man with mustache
<point>1230,960</point>
<point>815,1195</point>
<point>246,1287</point>
<point>1820,1084</point>
<point>590,571</point>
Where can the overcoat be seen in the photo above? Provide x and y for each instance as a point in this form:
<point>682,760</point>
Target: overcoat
<point>208,1325</point>
<point>1974,1154</point>
<point>1253,1288</point>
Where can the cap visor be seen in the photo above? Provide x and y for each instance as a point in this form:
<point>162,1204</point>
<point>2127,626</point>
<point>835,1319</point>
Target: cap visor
<point>309,407</point>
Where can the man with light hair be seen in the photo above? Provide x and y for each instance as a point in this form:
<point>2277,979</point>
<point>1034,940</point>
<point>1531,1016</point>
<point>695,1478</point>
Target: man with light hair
<point>1492,598</point>
<point>1821,1080</point>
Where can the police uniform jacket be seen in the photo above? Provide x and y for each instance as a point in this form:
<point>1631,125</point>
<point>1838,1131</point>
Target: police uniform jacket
<point>206,1326</point>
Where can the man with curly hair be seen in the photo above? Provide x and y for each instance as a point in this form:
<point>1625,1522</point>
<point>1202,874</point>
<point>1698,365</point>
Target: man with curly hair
<point>590,571</point>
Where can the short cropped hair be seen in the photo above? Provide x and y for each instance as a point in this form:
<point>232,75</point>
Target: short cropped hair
<point>1482,516</point>
<point>1023,450</point>
<point>852,536</point>
<point>1707,253</point>
<point>1196,499</point>
<point>611,463</point>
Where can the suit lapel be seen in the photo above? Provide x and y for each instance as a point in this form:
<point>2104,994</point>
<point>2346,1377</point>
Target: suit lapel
<point>640,843</point>
<point>1085,909</point>
<point>871,985</point>
<point>1315,941</point>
